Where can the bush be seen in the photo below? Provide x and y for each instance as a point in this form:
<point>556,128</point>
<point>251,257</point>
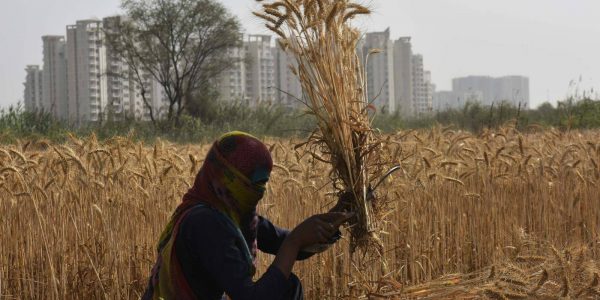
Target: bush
<point>278,121</point>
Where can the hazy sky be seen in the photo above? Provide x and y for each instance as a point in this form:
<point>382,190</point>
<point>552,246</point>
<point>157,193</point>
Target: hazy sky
<point>553,42</point>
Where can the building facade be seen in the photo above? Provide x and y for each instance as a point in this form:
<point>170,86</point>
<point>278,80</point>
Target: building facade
<point>288,88</point>
<point>87,72</point>
<point>422,87</point>
<point>396,77</point>
<point>379,70</point>
<point>54,79</point>
<point>260,70</point>
<point>403,75</point>
<point>119,80</point>
<point>33,92</point>
<point>489,90</point>
<point>232,82</point>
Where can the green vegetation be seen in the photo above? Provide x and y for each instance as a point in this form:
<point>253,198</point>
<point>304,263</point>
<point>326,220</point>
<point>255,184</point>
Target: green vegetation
<point>276,121</point>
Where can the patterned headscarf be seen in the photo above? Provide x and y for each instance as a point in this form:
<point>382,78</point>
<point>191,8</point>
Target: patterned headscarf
<point>231,180</point>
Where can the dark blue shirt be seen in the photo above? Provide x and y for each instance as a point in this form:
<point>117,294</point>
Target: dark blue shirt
<point>213,262</point>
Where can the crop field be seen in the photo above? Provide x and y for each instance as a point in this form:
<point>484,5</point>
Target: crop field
<point>501,215</point>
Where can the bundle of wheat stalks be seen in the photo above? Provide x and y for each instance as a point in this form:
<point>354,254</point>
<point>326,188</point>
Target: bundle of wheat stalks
<point>318,35</point>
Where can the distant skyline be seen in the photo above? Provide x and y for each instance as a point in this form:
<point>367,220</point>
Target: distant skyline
<point>553,42</point>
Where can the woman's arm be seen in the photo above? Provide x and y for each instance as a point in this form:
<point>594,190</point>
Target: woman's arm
<point>221,264</point>
<point>270,238</point>
<point>314,230</point>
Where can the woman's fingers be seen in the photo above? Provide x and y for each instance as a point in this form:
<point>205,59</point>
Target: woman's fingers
<point>336,218</point>
<point>321,236</point>
<point>328,228</point>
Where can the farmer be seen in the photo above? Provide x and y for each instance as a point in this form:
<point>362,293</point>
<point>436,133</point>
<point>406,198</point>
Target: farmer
<point>209,247</point>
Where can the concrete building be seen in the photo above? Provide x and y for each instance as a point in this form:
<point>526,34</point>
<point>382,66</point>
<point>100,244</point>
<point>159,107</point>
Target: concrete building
<point>445,100</point>
<point>33,95</point>
<point>87,72</point>
<point>156,100</point>
<point>260,70</point>
<point>403,75</point>
<point>422,94</point>
<point>83,81</point>
<point>513,89</point>
<point>396,78</point>
<point>232,82</point>
<point>288,88</point>
<point>54,79</point>
<point>159,100</point>
<point>380,70</point>
<point>430,91</point>
<point>252,78</point>
<point>119,80</point>
<point>488,90</point>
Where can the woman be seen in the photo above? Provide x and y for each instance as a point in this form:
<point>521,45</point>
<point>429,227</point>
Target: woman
<point>209,247</point>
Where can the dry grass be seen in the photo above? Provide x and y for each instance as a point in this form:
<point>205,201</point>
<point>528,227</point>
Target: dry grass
<point>81,220</point>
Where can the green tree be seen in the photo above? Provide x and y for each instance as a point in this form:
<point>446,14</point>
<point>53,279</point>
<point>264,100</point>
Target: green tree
<point>182,44</point>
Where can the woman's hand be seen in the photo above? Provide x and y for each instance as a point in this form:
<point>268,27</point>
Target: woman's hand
<point>314,230</point>
<point>317,229</point>
<point>344,204</point>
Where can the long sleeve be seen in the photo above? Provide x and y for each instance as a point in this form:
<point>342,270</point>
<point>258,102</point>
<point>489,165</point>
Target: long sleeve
<point>270,238</point>
<point>213,263</point>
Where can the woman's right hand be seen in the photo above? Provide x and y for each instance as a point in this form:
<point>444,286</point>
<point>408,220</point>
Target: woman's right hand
<point>317,229</point>
<point>314,230</point>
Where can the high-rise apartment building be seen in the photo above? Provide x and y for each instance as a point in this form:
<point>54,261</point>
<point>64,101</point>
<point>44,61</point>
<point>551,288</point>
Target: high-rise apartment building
<point>260,70</point>
<point>119,80</point>
<point>232,82</point>
<point>403,75</point>
<point>444,100</point>
<point>84,81</point>
<point>148,99</point>
<point>430,90</point>
<point>513,89</point>
<point>396,77</point>
<point>379,69</point>
<point>54,79</point>
<point>489,90</point>
<point>33,95</point>
<point>288,88</point>
<point>87,73</point>
<point>422,96</point>
<point>251,78</point>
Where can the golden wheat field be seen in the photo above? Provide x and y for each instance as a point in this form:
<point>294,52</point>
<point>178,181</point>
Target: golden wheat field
<point>499,215</point>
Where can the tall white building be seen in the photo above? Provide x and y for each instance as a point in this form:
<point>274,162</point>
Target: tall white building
<point>159,100</point>
<point>253,77</point>
<point>289,90</point>
<point>87,73</point>
<point>380,70</point>
<point>445,100</point>
<point>232,82</point>
<point>54,79</point>
<point>396,77</point>
<point>119,80</point>
<point>33,96</point>
<point>260,70</point>
<point>422,96</point>
<point>511,89</point>
<point>83,81</point>
<point>403,75</point>
<point>154,95</point>
<point>430,90</point>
